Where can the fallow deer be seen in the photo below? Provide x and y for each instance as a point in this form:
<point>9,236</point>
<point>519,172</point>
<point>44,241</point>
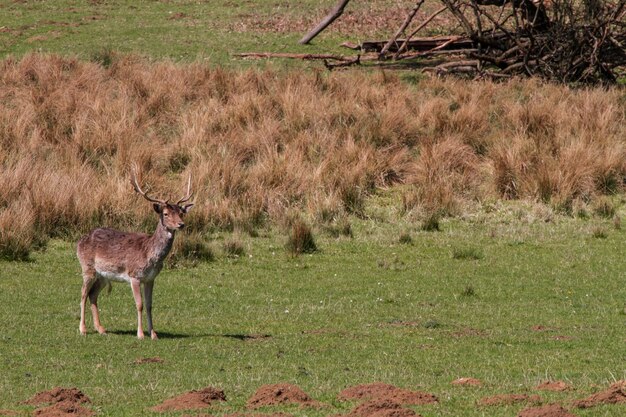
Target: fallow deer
<point>108,255</point>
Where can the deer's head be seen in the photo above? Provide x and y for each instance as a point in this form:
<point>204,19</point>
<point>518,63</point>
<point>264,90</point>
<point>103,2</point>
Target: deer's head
<point>170,214</point>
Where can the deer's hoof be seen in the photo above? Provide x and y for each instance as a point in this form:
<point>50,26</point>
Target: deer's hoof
<point>82,330</point>
<point>140,335</point>
<point>102,331</point>
<point>154,336</point>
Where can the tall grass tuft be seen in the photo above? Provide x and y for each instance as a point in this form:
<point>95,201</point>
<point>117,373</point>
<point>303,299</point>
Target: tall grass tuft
<point>300,238</point>
<point>18,234</point>
<point>189,250</point>
<point>233,247</point>
<point>262,143</point>
<point>471,253</point>
<point>405,238</point>
<point>604,207</point>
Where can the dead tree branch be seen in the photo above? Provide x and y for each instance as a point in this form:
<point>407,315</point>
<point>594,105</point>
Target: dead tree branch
<point>330,18</point>
<point>569,41</point>
<point>402,28</point>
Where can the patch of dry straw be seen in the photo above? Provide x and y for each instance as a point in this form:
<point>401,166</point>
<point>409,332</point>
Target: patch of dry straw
<point>262,142</point>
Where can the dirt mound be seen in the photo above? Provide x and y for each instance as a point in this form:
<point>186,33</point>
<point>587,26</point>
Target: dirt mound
<point>503,399</point>
<point>381,391</point>
<point>64,409</point>
<point>554,386</point>
<point>141,361</point>
<point>473,382</point>
<point>468,332</point>
<point>615,394</point>
<point>258,415</point>
<point>57,395</point>
<point>382,408</point>
<point>278,394</point>
<point>551,410</point>
<point>242,415</point>
<point>191,400</point>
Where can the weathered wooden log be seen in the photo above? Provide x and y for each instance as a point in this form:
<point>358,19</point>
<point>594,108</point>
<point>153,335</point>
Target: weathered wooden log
<point>306,57</point>
<point>420,44</point>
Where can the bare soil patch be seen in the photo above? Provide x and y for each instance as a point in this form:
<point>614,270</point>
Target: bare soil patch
<point>505,399</point>
<point>57,395</point>
<point>472,382</point>
<point>142,361</point>
<point>279,394</point>
<point>59,24</point>
<point>616,393</point>
<point>259,415</point>
<point>369,20</point>
<point>382,408</point>
<point>242,415</point>
<point>382,391</point>
<point>551,410</point>
<point>554,386</point>
<point>191,400</point>
<point>65,408</point>
<point>9,413</point>
<point>469,332</point>
<point>53,34</point>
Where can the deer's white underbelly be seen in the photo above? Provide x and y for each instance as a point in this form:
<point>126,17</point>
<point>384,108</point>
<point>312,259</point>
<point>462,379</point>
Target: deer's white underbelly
<point>147,275</point>
<point>114,276</point>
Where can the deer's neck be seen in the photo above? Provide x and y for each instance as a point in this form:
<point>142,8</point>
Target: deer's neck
<point>160,243</point>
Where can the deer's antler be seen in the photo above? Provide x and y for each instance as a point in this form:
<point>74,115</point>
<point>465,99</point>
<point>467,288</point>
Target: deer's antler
<point>189,192</point>
<point>133,180</point>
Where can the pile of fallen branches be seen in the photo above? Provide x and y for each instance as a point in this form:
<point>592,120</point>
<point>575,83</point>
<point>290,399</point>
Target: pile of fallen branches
<point>570,41</point>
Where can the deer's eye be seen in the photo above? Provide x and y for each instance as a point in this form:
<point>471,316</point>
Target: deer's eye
<point>165,214</point>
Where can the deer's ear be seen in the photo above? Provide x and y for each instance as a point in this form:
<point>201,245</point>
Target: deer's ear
<point>157,208</point>
<point>187,207</point>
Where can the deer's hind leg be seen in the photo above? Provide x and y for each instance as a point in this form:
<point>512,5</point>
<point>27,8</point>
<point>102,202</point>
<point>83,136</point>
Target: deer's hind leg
<point>98,285</point>
<point>89,279</point>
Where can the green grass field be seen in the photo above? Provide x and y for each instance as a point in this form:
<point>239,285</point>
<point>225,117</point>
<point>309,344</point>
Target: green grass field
<point>511,294</point>
<point>179,30</point>
<point>362,309</point>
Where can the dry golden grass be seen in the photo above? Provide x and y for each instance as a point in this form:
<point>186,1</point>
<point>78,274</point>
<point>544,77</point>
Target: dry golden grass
<point>300,238</point>
<point>262,142</point>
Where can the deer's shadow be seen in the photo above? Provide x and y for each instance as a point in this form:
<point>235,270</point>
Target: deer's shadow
<point>162,335</point>
<point>169,335</point>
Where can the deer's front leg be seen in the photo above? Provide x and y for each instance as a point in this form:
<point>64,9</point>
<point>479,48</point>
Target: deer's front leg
<point>136,286</point>
<point>147,288</point>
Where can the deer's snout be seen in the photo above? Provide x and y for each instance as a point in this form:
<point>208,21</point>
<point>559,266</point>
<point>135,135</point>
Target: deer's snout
<point>181,225</point>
